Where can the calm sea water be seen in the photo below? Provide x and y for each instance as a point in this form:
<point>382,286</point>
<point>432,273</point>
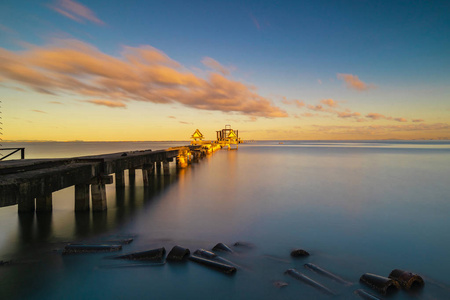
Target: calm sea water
<point>357,207</point>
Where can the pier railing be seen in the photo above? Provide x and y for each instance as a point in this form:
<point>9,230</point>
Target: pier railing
<point>14,150</point>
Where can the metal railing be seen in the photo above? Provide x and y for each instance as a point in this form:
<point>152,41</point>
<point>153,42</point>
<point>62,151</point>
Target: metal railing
<point>14,150</point>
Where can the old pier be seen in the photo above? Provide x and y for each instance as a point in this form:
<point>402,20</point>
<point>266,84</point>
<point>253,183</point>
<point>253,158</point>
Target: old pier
<point>31,182</point>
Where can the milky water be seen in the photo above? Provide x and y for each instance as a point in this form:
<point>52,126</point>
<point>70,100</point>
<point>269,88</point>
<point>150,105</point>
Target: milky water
<point>357,207</point>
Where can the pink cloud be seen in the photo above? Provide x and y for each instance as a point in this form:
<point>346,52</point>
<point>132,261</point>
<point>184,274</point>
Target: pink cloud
<point>107,103</point>
<point>75,11</point>
<point>139,74</point>
<point>39,111</point>
<point>255,21</point>
<point>353,82</point>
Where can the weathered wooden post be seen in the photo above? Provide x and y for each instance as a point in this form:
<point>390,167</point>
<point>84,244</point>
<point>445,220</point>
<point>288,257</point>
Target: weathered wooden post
<point>158,168</point>
<point>166,168</point>
<point>120,179</point>
<point>82,197</point>
<point>98,192</point>
<point>147,173</point>
<point>44,203</point>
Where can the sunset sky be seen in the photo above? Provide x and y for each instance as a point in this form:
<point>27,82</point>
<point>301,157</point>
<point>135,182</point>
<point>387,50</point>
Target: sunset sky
<point>157,70</point>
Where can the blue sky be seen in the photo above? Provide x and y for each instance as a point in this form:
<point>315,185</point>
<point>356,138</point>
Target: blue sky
<point>395,55</point>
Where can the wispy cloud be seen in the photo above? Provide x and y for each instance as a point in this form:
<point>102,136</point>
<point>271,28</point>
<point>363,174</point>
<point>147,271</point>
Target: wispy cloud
<point>255,22</point>
<point>215,65</point>
<point>139,74</point>
<point>107,103</point>
<point>171,117</point>
<point>377,116</point>
<point>39,111</point>
<point>378,130</point>
<point>418,120</point>
<point>353,82</point>
<point>75,11</point>
<point>55,102</point>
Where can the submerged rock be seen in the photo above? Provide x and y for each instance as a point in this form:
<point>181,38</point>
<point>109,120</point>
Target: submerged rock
<point>299,253</point>
<point>280,284</point>
<point>178,253</point>
<point>154,254</point>
<point>222,247</point>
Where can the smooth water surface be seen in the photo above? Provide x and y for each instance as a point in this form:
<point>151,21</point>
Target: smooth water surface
<point>357,207</point>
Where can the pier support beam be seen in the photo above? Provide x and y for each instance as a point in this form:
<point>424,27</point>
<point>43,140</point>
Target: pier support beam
<point>82,197</point>
<point>132,176</point>
<point>44,203</point>
<point>120,179</point>
<point>98,192</point>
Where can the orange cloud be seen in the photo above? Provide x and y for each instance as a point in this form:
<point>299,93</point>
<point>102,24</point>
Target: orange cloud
<point>345,114</point>
<point>215,65</point>
<point>107,103</point>
<point>401,120</point>
<point>297,103</point>
<point>376,116</point>
<point>140,74</point>
<point>317,107</point>
<point>353,82</point>
<point>75,11</point>
<point>39,111</point>
<point>329,102</point>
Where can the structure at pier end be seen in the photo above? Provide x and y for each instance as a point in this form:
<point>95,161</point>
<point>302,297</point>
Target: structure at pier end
<point>226,138</point>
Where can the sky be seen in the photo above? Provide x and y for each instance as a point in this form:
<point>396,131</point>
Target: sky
<point>274,70</point>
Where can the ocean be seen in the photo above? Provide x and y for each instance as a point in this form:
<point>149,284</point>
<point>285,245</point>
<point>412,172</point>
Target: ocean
<point>356,206</point>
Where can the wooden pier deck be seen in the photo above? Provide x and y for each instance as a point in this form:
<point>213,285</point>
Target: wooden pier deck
<point>31,182</point>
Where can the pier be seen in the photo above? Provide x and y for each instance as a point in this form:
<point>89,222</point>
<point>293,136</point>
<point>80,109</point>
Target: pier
<point>31,182</point>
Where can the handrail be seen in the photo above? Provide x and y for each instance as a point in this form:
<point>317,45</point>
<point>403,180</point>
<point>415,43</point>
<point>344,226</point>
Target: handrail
<point>22,152</point>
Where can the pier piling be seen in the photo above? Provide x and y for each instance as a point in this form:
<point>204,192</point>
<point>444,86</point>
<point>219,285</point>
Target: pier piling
<point>82,197</point>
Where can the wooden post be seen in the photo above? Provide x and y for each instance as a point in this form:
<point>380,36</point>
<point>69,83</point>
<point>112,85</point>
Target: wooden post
<point>44,203</point>
<point>82,197</point>
<point>120,179</point>
<point>166,168</point>
<point>98,192</point>
<point>132,176</point>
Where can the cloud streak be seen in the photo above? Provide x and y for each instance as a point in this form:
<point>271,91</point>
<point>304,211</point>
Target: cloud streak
<point>75,11</point>
<point>353,82</point>
<point>139,74</point>
<point>107,103</point>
